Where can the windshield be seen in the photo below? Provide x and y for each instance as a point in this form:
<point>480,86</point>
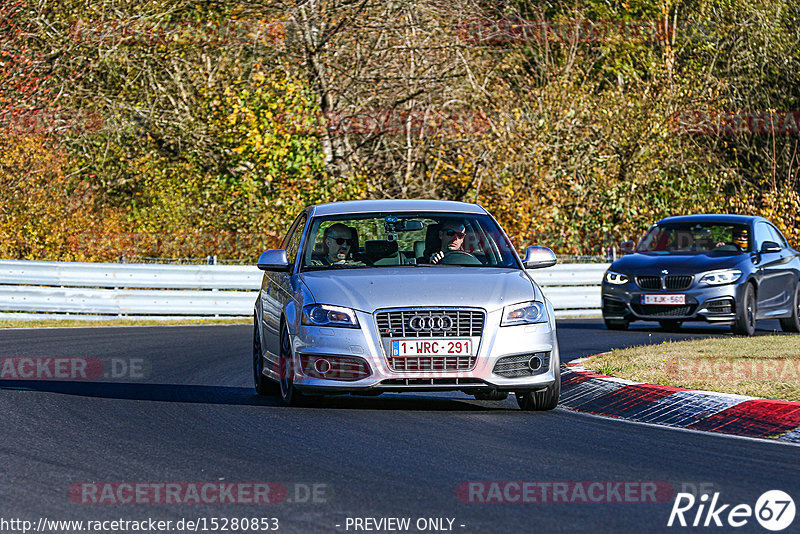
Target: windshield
<point>406,239</point>
<point>696,238</point>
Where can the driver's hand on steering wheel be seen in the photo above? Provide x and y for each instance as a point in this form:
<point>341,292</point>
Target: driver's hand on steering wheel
<point>437,257</point>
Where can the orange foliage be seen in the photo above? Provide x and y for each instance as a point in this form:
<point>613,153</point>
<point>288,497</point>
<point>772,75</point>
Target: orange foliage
<point>40,211</point>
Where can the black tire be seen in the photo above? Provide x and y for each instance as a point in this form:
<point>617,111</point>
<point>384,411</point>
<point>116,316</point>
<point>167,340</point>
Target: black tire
<point>670,325</point>
<point>289,394</point>
<point>491,395</point>
<point>541,400</point>
<point>617,324</point>
<point>792,324</point>
<point>264,386</point>
<point>745,323</point>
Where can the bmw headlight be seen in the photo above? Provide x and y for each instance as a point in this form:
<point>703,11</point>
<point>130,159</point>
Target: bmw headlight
<point>616,278</point>
<point>524,313</point>
<point>718,278</point>
<point>326,315</point>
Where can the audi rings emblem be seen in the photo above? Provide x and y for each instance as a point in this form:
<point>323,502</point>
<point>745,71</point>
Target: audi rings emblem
<point>430,323</point>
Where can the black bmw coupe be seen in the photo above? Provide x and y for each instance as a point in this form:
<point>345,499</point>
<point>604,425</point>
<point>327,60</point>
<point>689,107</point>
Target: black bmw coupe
<point>724,269</point>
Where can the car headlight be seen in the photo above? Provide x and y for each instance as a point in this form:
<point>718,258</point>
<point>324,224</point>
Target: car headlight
<point>718,278</point>
<point>524,313</point>
<point>616,278</point>
<point>326,315</point>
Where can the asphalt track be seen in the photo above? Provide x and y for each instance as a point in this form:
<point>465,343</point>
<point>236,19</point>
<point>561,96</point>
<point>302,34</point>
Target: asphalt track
<point>189,414</point>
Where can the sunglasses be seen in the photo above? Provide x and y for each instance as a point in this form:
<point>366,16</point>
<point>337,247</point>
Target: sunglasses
<point>451,233</point>
<point>340,240</point>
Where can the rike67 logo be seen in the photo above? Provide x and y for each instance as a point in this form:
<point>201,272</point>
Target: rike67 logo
<point>774,510</point>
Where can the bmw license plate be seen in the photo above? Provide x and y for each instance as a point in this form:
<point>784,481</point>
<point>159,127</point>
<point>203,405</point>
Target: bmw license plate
<point>431,347</point>
<point>663,299</point>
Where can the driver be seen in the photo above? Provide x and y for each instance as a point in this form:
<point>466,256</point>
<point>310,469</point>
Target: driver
<point>738,239</point>
<point>337,242</point>
<point>451,237</point>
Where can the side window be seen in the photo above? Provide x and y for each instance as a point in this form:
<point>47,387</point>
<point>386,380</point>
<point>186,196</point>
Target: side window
<point>762,234</point>
<point>292,244</point>
<point>777,236</point>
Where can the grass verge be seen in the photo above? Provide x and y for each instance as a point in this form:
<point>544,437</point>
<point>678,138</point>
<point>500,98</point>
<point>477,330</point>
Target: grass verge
<point>761,366</point>
<point>49,323</point>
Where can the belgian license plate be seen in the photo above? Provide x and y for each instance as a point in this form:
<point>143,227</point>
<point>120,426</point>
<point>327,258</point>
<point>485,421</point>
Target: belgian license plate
<point>663,299</point>
<point>431,347</point>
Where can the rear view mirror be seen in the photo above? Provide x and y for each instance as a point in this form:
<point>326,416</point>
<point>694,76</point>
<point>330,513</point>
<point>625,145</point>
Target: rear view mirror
<point>627,247</point>
<point>274,260</point>
<point>538,258</point>
<point>412,226</point>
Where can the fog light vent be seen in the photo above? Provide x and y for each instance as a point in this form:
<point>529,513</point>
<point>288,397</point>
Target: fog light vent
<point>344,368</point>
<point>523,365</point>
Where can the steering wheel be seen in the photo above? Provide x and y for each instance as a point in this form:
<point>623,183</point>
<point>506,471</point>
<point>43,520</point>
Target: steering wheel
<point>459,257</point>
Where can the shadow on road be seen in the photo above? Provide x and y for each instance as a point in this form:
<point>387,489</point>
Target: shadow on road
<point>241,396</point>
<point>695,328</point>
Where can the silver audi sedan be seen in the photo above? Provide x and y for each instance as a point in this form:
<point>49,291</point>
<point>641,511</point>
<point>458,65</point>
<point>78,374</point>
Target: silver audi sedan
<point>366,297</point>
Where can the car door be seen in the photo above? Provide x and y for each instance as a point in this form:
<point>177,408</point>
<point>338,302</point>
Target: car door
<point>783,272</point>
<point>276,290</point>
<point>772,272</point>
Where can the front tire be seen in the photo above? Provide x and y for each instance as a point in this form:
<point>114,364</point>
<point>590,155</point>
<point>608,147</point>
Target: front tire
<point>541,400</point>
<point>616,324</point>
<point>792,324</point>
<point>289,394</point>
<point>745,323</point>
<point>492,395</point>
<point>670,325</point>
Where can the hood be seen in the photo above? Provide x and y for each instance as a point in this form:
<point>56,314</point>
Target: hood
<point>388,287</point>
<point>654,263</point>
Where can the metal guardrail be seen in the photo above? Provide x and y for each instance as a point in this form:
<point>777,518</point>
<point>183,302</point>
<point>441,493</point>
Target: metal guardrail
<point>573,288</point>
<point>38,290</point>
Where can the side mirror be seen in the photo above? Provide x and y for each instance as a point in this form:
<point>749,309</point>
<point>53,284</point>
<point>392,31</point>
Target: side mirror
<point>770,246</point>
<point>274,260</point>
<point>627,247</point>
<point>538,258</point>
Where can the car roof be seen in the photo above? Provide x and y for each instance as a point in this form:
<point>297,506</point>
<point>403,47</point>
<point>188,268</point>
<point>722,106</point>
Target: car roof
<point>382,206</point>
<point>706,218</point>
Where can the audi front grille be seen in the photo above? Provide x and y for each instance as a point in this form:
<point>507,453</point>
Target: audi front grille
<point>430,323</point>
<point>431,363</point>
<point>463,323</point>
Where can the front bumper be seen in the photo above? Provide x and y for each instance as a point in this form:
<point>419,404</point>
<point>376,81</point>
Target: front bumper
<point>713,304</point>
<point>495,343</point>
